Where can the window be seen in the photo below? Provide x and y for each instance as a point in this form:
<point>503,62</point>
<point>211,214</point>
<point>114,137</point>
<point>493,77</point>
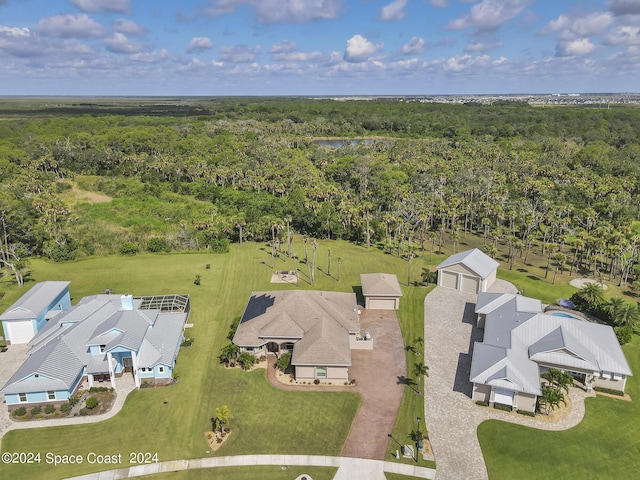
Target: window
<point>249,349</point>
<point>51,395</point>
<point>160,369</point>
<point>102,348</point>
<point>22,397</point>
<point>321,372</point>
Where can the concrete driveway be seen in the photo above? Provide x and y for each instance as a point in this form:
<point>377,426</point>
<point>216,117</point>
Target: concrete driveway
<point>451,416</point>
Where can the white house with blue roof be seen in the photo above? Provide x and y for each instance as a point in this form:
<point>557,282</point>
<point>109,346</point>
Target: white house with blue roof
<point>29,314</point>
<point>100,339</point>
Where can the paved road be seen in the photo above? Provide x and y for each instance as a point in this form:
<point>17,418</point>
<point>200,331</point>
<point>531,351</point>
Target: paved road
<point>452,417</point>
<point>348,468</point>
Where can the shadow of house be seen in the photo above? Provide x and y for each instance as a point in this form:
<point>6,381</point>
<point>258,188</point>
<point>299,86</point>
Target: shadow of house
<point>357,289</point>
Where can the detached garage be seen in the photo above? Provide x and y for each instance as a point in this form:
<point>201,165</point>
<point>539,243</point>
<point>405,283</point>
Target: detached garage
<point>381,291</point>
<point>22,320</point>
<point>472,271</point>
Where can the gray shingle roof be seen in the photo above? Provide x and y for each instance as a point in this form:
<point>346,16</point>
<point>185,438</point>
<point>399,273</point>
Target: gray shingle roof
<point>60,352</point>
<point>476,260</point>
<point>323,321</point>
<point>380,284</point>
<point>37,299</point>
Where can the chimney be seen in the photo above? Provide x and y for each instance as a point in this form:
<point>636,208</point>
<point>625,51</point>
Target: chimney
<point>127,302</point>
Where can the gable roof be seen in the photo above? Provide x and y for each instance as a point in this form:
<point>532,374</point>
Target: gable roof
<point>61,352</point>
<point>321,321</point>
<point>35,301</point>
<point>476,260</point>
<point>518,337</point>
<point>384,284</point>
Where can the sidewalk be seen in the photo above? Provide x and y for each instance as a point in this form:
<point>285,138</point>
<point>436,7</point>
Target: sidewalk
<point>348,468</point>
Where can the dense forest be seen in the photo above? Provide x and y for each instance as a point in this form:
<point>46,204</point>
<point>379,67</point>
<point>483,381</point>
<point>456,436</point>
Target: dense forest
<point>80,179</point>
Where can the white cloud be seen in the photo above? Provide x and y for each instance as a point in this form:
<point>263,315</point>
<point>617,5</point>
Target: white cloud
<point>121,6</point>
<point>482,46</point>
<point>71,26</point>
<point>359,49</point>
<point>119,43</point>
<point>393,11</point>
<point>151,57</point>
<point>238,53</point>
<point>128,27</point>
<point>623,35</point>
<point>489,15</point>
<point>199,44</point>
<point>569,48</point>
<point>583,26</point>
<point>415,46</point>
<point>280,11</point>
<point>21,42</point>
<point>284,47</point>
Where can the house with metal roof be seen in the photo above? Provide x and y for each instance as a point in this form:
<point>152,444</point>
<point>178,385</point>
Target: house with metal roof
<point>319,329</point>
<point>381,291</point>
<point>471,271</point>
<point>100,339</point>
<point>521,342</point>
<point>22,320</point>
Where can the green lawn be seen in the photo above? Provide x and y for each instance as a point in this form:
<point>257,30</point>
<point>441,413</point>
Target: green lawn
<point>267,420</point>
<point>605,444</point>
<point>248,473</point>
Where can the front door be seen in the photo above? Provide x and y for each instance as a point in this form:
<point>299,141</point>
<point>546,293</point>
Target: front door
<point>127,363</point>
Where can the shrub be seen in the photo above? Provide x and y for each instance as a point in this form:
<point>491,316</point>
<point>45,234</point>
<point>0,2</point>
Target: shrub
<point>128,248</point>
<point>482,403</point>
<point>99,389</point>
<point>73,401</point>
<point>624,334</point>
<point>526,413</point>
<point>316,382</point>
<point>36,410</point>
<point>158,244</point>
<point>197,280</point>
<point>610,391</point>
<point>20,412</point>
<point>65,407</point>
<point>246,360</point>
<point>91,403</point>
<point>504,408</point>
<point>284,361</point>
<point>49,409</point>
<point>219,245</point>
<point>187,342</point>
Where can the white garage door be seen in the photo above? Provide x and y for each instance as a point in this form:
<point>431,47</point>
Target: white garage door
<point>382,304</point>
<point>449,279</point>
<point>470,284</point>
<point>505,397</point>
<point>20,332</point>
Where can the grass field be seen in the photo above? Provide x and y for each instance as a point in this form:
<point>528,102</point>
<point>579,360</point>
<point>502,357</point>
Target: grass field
<point>605,444</point>
<point>172,420</point>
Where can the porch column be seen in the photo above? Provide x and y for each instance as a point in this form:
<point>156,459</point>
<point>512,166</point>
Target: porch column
<point>90,380</point>
<point>112,376</point>
<point>492,397</point>
<point>134,366</point>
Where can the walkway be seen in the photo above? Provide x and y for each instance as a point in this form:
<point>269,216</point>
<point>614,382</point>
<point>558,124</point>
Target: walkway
<point>348,468</point>
<point>451,416</point>
<point>377,374</point>
<point>12,359</point>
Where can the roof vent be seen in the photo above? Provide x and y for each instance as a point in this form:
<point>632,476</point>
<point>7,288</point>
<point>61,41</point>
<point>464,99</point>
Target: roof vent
<point>126,302</point>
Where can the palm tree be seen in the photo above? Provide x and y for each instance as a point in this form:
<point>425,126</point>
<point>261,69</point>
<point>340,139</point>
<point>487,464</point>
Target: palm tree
<point>420,370</point>
<point>223,415</point>
<point>558,379</point>
<point>622,313</point>
<point>419,341</point>
<point>551,399</point>
<point>592,294</point>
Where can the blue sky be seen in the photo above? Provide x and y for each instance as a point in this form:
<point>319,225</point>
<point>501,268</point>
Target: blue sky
<point>318,47</point>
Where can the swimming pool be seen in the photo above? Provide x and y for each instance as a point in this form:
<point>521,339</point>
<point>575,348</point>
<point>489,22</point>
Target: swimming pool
<point>565,315</point>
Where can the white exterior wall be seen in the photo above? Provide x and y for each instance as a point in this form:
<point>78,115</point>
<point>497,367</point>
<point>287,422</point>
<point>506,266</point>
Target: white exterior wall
<point>305,373</point>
